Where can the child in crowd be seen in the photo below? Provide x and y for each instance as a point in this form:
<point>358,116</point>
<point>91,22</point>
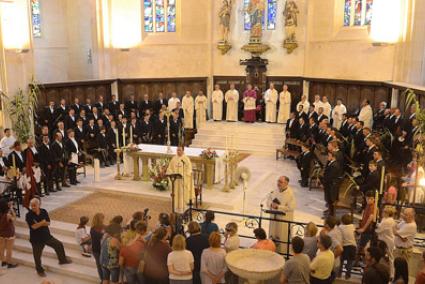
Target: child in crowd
<point>310,240</point>
<point>82,237</point>
<point>349,244</point>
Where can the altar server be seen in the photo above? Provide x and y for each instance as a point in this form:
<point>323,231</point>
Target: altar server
<point>366,114</point>
<point>172,102</point>
<point>249,100</point>
<point>327,108</point>
<point>284,105</point>
<point>270,98</point>
<point>232,99</point>
<point>338,114</point>
<point>304,102</point>
<point>201,109</point>
<point>7,142</point>
<point>317,103</point>
<point>217,101</point>
<point>188,109</point>
<point>183,188</point>
<point>281,199</point>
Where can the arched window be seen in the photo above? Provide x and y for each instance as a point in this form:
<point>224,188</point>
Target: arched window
<point>269,19</point>
<point>160,15</point>
<point>357,12</point>
<point>35,18</point>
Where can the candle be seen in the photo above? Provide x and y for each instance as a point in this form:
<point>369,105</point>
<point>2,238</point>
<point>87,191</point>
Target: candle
<point>381,187</point>
<point>117,142</point>
<point>123,136</point>
<point>131,134</point>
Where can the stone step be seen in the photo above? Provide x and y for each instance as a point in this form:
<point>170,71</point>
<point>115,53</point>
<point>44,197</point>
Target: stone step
<point>74,270</point>
<point>68,241</point>
<point>239,133</point>
<point>236,140</point>
<point>75,255</point>
<point>55,227</point>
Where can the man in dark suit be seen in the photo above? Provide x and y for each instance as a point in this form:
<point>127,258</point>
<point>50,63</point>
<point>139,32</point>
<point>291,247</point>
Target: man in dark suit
<point>102,148</point>
<point>111,139</point>
<point>339,156</point>
<point>304,164</point>
<point>80,133</point>
<point>88,107</point>
<point>303,130</point>
<point>313,130</point>
<point>61,111</point>
<point>145,105</point>
<point>311,113</point>
<point>61,129</point>
<point>70,119</point>
<point>146,130</point>
<point>105,117</point>
<point>136,131</point>
<point>358,139</point>
<point>121,111</point>
<point>372,180</point>
<point>49,115</point>
<point>76,106</point>
<point>320,115</point>
<point>378,118</point>
<point>380,163</point>
<point>73,153</point>
<point>131,105</point>
<point>100,105</point>
<point>91,131</point>
<point>175,128</point>
<point>292,126</point>
<point>396,122</point>
<point>157,105</point>
<point>114,105</point>
<point>159,131</point>
<point>59,158</point>
<point>301,113</point>
<point>344,126</point>
<point>16,157</point>
<point>330,183</point>
<point>46,164</point>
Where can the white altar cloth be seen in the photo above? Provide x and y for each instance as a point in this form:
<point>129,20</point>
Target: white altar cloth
<point>190,152</point>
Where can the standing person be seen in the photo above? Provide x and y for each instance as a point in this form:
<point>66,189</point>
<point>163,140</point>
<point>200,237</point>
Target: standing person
<point>366,114</point>
<point>159,131</point>
<point>284,105</point>
<point>327,108</point>
<point>73,153</point>
<point>188,109</point>
<point>420,277</point>
<point>281,199</point>
<point>46,164</point>
<point>338,114</point>
<point>330,182</point>
<point>201,109</point>
<point>322,265</point>
<point>173,101</point>
<point>385,233</point>
<point>405,233</point>
<point>310,240</point>
<point>213,264</point>
<point>270,98</point>
<point>375,271</point>
<point>208,226</point>
<point>249,100</point>
<point>217,103</point>
<point>180,262</point>
<point>159,103</point>
<point>367,224</point>
<point>156,254</point>
<point>7,233</point>
<point>109,254</point>
<point>38,222</point>
<point>297,268</point>
<point>304,164</point>
<point>349,244</point>
<point>58,151</point>
<point>196,243</point>
<point>183,188</point>
<point>401,271</point>
<point>7,142</point>
<point>97,230</point>
<point>304,102</point>
<point>232,101</point>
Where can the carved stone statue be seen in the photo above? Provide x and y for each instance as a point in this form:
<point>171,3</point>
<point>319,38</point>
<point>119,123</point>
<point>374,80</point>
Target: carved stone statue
<point>224,15</point>
<point>291,23</point>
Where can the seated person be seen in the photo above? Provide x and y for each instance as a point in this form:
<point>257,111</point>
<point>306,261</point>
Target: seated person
<point>262,242</point>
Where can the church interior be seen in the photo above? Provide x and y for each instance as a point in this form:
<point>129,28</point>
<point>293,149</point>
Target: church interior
<point>212,141</point>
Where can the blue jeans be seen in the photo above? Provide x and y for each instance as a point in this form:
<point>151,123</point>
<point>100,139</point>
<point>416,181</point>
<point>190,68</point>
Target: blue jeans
<point>132,276</point>
<point>112,274</point>
<point>96,256</point>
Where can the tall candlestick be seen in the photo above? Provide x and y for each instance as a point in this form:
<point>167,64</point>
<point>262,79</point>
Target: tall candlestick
<point>381,186</point>
<point>117,142</point>
<point>131,134</point>
<point>123,136</point>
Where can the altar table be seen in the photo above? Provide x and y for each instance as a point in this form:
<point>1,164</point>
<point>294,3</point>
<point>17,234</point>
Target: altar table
<point>214,168</point>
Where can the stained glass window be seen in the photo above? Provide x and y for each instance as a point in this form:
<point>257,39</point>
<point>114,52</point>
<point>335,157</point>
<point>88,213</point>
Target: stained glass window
<point>35,16</point>
<point>160,15</point>
<point>357,12</point>
<point>270,15</point>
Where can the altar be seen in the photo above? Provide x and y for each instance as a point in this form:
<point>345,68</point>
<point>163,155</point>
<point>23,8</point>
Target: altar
<point>146,153</point>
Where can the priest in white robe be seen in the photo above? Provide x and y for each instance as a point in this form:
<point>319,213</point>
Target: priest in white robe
<point>232,100</point>
<point>281,199</point>
<point>304,102</point>
<point>201,102</point>
<point>327,108</point>
<point>183,188</point>
<point>284,105</point>
<point>270,99</point>
<point>217,98</point>
<point>366,114</point>
<point>337,114</point>
<point>173,101</point>
<point>188,110</point>
<point>7,142</point>
<point>317,103</point>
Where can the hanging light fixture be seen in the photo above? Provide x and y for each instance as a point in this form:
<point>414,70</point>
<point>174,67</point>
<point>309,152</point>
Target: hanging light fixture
<point>387,21</point>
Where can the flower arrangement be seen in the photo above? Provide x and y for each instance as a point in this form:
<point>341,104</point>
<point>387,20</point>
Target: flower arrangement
<point>209,154</point>
<point>158,173</point>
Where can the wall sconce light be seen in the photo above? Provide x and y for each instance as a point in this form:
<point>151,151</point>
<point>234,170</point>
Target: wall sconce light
<point>387,22</point>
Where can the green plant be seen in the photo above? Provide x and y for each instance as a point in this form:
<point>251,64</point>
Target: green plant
<point>412,100</point>
<point>21,109</point>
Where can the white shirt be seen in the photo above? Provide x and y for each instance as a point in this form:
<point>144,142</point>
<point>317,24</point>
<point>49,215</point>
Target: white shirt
<point>19,155</point>
<point>327,108</point>
<point>385,232</point>
<point>232,243</point>
<point>408,231</point>
<point>6,143</point>
<point>75,144</point>
<point>348,235</point>
<point>172,103</point>
<point>80,234</point>
<point>181,261</point>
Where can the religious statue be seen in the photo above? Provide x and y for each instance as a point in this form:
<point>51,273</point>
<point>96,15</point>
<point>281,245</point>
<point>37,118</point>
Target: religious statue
<point>256,12</point>
<point>291,23</point>
<point>224,15</point>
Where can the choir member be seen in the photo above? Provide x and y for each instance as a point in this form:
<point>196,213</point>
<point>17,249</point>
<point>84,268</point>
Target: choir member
<point>121,111</point>
<point>175,128</point>
<point>173,101</point>
<point>232,101</point>
<point>61,111</point>
<point>16,157</point>
<point>312,113</point>
<point>61,129</point>
<point>100,105</point>
<point>396,121</point>
<point>111,138</point>
<point>380,163</point>
<point>39,137</point>
<point>188,109</point>
<point>102,148</point>
<point>49,115</point>
<point>131,104</point>
<point>88,106</point>
<point>301,113</point>
<point>135,130</point>
<point>80,133</point>
<point>46,164</point>
<point>330,183</point>
<point>146,104</point>
<point>313,130</point>
<point>366,114</point>
<point>379,117</point>
<point>76,106</point>
<point>73,152</point>
<point>70,120</point>
<point>217,98</point>
<point>344,126</point>
<point>284,105</point>
<point>159,103</point>
<point>292,126</point>
<point>249,100</point>
<point>372,180</point>
<point>114,105</point>
<point>105,117</point>
<point>270,98</point>
<point>303,129</point>
<point>83,116</point>
<point>59,158</point>
<point>147,129</point>
<point>321,115</point>
<point>91,131</point>
<point>125,126</point>
<point>304,102</point>
<point>201,107</point>
<point>338,114</point>
<point>95,113</point>
<point>304,164</point>
<point>159,129</point>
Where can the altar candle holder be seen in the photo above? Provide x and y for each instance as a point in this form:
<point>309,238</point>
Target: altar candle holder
<point>168,115</point>
<point>118,175</point>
